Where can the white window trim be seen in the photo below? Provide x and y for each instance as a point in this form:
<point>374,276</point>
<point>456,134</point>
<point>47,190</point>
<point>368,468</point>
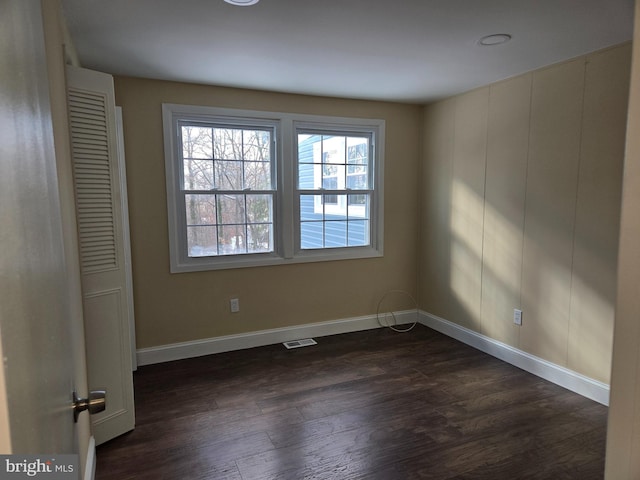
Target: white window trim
<point>286,214</point>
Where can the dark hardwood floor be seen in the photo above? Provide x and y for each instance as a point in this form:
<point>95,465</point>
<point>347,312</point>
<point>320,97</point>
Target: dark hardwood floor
<point>370,405</point>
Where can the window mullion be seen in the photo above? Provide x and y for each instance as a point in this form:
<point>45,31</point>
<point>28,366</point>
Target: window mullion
<point>217,224</point>
<point>246,223</point>
<point>289,208</point>
<point>324,220</point>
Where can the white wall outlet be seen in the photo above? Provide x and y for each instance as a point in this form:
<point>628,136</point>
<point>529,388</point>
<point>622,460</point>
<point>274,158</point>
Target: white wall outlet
<point>234,303</point>
<point>517,316</point>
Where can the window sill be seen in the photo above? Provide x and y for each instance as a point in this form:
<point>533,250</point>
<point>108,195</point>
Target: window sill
<point>264,260</point>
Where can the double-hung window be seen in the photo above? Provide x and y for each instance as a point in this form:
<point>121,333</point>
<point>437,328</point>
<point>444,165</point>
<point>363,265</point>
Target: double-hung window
<point>335,188</point>
<point>248,188</point>
<point>227,188</point>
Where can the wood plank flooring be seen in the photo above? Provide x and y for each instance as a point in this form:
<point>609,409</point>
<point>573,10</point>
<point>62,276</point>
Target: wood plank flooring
<point>367,405</point>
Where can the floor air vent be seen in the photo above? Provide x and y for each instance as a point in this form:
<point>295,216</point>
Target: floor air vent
<point>306,342</point>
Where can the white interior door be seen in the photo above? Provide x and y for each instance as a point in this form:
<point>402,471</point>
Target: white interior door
<point>41,337</point>
<point>102,240</point>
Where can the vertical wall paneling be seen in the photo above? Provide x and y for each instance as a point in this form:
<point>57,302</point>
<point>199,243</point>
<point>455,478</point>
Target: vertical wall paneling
<point>507,150</point>
<point>598,212</point>
<point>520,208</point>
<point>556,114</point>
<point>467,206</point>
<point>435,206</point>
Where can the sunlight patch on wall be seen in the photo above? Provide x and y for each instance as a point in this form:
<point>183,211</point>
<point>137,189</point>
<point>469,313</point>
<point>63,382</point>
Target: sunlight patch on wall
<point>501,275</point>
<point>546,292</point>
<point>591,331</point>
<point>467,212</point>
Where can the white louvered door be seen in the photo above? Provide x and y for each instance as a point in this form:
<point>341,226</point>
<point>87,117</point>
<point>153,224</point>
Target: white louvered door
<point>102,237</point>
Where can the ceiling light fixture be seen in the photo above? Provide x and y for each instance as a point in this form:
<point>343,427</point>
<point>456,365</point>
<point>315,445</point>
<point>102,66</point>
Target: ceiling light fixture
<point>494,39</point>
<point>242,3</point>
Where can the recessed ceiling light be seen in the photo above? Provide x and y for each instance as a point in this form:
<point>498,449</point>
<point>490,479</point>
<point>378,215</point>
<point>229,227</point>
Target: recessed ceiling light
<point>494,39</point>
<point>242,3</point>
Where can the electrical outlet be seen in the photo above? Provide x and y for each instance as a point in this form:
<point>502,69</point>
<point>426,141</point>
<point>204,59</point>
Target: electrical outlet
<point>517,316</point>
<point>234,303</point>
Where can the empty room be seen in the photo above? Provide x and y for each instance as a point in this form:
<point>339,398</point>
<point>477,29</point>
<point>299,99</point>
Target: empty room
<point>331,239</point>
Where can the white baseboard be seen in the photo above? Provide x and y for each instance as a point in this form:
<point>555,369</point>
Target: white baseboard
<point>562,376</point>
<point>90,463</point>
<point>208,346</point>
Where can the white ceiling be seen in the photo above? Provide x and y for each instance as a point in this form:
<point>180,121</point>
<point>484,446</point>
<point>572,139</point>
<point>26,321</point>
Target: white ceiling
<point>402,50</point>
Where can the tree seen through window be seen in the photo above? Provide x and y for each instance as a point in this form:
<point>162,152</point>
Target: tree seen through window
<point>228,186</point>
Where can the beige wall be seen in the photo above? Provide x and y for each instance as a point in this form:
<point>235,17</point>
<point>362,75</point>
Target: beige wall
<point>180,307</point>
<point>623,435</point>
<point>520,209</point>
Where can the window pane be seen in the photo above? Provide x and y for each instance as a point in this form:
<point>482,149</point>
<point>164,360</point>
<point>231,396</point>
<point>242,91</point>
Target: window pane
<point>231,209</point>
<point>231,240</point>
<point>257,175</point>
<point>227,143</point>
<point>198,174</point>
<point>357,178</point>
<point>335,234</point>
<point>330,183</point>
<point>260,238</point>
<point>228,175</point>
<point>197,142</point>
<point>311,235</point>
<point>309,176</point>
<point>357,169</point>
<point>309,160</point>
<point>200,209</point>
<point>358,233</point>
<point>309,148</point>
<point>335,207</point>
<point>357,182</point>
<point>330,199</point>
<point>357,150</point>
<point>257,145</point>
<point>333,177</point>
<point>358,206</point>
<point>333,149</point>
<point>259,209</point>
<point>202,241</point>
<point>311,207</point>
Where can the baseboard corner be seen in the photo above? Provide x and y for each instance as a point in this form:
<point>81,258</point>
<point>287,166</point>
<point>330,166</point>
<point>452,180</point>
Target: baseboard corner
<point>564,377</point>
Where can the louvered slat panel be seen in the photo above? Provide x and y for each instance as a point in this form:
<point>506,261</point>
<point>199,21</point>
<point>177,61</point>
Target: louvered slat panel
<point>94,161</point>
<point>92,171</point>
